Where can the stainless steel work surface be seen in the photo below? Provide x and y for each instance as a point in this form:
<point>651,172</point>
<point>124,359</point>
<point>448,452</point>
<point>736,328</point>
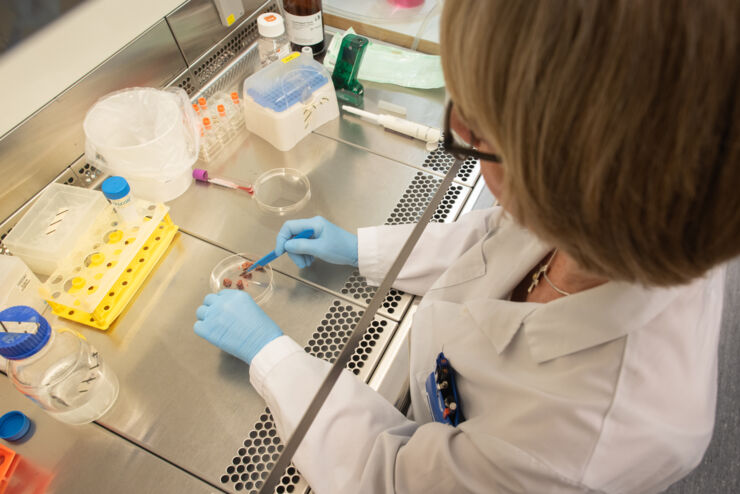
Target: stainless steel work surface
<point>88,459</point>
<point>424,106</point>
<point>182,397</point>
<point>349,186</point>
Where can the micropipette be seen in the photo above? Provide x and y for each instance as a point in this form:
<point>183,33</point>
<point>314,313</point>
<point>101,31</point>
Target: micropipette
<point>430,135</point>
<point>272,255</point>
<point>202,176</point>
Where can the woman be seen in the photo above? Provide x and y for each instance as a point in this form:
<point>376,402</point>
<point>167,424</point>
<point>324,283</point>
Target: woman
<point>581,318</point>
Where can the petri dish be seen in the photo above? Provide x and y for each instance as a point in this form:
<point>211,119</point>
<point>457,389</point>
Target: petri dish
<point>282,190</point>
<point>258,283</point>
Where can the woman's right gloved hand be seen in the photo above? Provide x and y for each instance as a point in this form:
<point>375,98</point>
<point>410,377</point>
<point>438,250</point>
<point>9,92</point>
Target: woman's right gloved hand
<point>329,242</point>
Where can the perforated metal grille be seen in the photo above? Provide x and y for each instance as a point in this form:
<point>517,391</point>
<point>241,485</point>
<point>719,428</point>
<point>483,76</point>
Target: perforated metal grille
<point>186,82</point>
<point>416,198</point>
<point>335,329</point>
<point>240,69</point>
<point>440,161</point>
<point>357,287</point>
<point>252,463</point>
<point>86,173</point>
<point>222,54</point>
<point>408,210</point>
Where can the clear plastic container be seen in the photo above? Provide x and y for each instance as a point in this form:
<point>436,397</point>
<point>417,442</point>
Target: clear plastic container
<point>222,125</point>
<point>149,137</point>
<point>18,285</point>
<point>49,230</point>
<point>231,270</point>
<point>286,101</point>
<point>282,190</point>
<point>380,11</point>
<point>58,370</point>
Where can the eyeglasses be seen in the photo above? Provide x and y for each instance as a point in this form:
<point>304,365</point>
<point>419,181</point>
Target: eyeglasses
<point>458,147</point>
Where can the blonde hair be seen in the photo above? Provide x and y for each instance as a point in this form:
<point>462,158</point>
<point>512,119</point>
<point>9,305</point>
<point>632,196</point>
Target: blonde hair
<point>617,122</point>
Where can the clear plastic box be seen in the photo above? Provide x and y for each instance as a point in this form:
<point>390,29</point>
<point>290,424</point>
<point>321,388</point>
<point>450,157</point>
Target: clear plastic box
<point>104,251</point>
<point>49,230</point>
<point>288,99</point>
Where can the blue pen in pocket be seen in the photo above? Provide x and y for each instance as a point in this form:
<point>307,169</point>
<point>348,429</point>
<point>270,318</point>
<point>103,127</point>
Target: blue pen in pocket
<point>441,388</point>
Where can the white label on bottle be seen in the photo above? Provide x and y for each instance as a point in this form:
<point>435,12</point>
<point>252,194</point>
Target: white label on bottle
<point>305,30</point>
<point>19,327</point>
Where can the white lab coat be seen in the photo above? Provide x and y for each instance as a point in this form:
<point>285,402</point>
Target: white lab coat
<point>607,390</point>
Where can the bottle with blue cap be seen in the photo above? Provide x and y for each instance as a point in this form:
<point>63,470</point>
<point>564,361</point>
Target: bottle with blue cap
<point>58,370</point>
<point>118,192</point>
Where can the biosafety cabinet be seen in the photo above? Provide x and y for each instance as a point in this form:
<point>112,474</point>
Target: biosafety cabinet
<point>186,418</point>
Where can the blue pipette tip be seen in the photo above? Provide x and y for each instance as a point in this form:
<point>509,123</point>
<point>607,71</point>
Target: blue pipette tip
<point>272,256</point>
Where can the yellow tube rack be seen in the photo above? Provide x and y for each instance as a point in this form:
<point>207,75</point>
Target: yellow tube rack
<point>123,290</point>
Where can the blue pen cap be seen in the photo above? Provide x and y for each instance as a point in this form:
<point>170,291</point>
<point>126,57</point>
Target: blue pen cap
<point>14,426</point>
<point>17,346</point>
<point>115,187</point>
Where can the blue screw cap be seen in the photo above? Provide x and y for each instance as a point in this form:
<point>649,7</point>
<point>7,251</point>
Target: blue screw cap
<point>115,187</point>
<point>17,346</point>
<point>14,426</point>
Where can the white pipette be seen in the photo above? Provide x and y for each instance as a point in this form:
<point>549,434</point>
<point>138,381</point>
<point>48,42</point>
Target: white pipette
<point>430,135</point>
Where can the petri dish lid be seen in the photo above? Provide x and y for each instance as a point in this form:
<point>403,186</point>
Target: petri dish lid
<point>258,283</point>
<point>282,190</point>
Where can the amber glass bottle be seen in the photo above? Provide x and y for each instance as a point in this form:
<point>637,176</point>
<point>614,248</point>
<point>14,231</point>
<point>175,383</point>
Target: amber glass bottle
<point>305,24</point>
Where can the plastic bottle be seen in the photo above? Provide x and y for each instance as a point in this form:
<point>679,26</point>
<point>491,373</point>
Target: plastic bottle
<point>58,370</point>
<point>273,43</point>
<point>118,192</point>
<point>305,24</point>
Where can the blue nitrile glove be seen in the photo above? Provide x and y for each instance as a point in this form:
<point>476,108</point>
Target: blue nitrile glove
<point>329,242</point>
<point>232,321</point>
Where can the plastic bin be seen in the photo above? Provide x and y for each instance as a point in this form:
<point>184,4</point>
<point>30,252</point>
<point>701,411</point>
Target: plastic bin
<point>49,230</point>
<point>148,136</point>
<point>288,99</point>
<point>18,285</point>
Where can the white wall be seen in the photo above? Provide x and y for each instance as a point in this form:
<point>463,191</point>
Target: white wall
<point>44,65</point>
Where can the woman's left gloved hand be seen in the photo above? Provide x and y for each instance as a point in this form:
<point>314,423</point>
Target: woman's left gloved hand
<point>232,321</point>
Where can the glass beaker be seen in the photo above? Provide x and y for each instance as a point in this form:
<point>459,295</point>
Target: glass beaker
<point>58,370</point>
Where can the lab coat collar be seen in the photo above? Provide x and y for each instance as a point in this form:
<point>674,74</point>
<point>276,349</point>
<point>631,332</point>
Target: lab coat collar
<point>592,317</point>
<point>570,324</point>
<point>498,319</point>
<point>563,326</point>
<point>509,251</point>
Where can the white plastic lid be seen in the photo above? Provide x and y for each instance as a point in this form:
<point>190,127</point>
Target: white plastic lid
<point>270,25</point>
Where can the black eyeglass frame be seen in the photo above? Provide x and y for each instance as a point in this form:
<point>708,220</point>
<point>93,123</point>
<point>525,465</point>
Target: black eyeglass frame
<point>458,151</point>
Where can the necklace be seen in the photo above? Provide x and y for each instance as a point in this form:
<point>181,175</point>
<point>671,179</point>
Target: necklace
<point>542,273</point>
